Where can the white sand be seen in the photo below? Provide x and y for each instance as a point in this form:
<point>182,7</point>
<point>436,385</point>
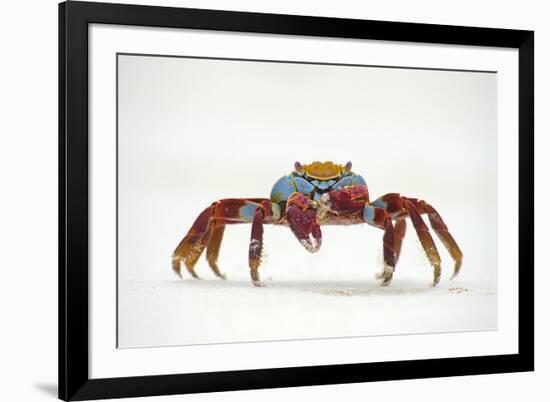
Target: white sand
<point>329,294</point>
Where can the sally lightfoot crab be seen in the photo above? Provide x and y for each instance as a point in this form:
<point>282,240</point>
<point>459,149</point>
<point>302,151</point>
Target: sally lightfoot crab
<point>313,195</point>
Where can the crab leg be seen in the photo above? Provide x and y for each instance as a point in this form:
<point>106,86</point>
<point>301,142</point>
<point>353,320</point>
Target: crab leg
<point>193,244</point>
<point>380,218</point>
<point>438,225</point>
<point>399,233</point>
<point>399,207</point>
<point>353,200</point>
<point>256,246</point>
<point>207,230</point>
<point>425,239</point>
<point>213,249</point>
<point>395,204</point>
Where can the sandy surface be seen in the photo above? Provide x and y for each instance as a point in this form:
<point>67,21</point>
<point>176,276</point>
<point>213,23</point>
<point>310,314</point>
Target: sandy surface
<point>306,296</point>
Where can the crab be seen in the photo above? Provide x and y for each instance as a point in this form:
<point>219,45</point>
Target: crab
<point>316,194</point>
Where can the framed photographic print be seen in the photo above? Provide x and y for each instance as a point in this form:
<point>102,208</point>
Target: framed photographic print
<point>258,200</point>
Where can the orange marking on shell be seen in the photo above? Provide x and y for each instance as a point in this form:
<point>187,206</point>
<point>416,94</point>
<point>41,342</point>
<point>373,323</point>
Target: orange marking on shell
<point>357,191</point>
<point>323,170</point>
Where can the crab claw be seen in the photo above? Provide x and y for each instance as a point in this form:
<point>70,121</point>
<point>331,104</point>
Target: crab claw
<point>303,223</point>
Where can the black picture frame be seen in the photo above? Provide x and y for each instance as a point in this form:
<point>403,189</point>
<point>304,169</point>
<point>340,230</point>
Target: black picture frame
<point>74,381</point>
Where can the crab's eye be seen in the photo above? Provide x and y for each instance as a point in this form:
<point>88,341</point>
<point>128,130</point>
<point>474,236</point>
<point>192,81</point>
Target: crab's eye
<point>347,167</point>
<point>299,168</point>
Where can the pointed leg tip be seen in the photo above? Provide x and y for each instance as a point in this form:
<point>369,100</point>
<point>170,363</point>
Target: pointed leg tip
<point>385,283</point>
<point>258,283</point>
<point>222,276</point>
<point>193,274</point>
<point>217,272</point>
<point>309,246</point>
<point>176,270</point>
<point>456,272</point>
<point>386,275</point>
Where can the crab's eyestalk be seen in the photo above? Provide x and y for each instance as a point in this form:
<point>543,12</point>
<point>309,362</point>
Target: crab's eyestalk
<point>347,167</point>
<point>299,168</point>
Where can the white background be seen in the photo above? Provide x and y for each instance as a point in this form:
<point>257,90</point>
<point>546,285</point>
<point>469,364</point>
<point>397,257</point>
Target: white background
<point>426,134</point>
<point>29,217</point>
